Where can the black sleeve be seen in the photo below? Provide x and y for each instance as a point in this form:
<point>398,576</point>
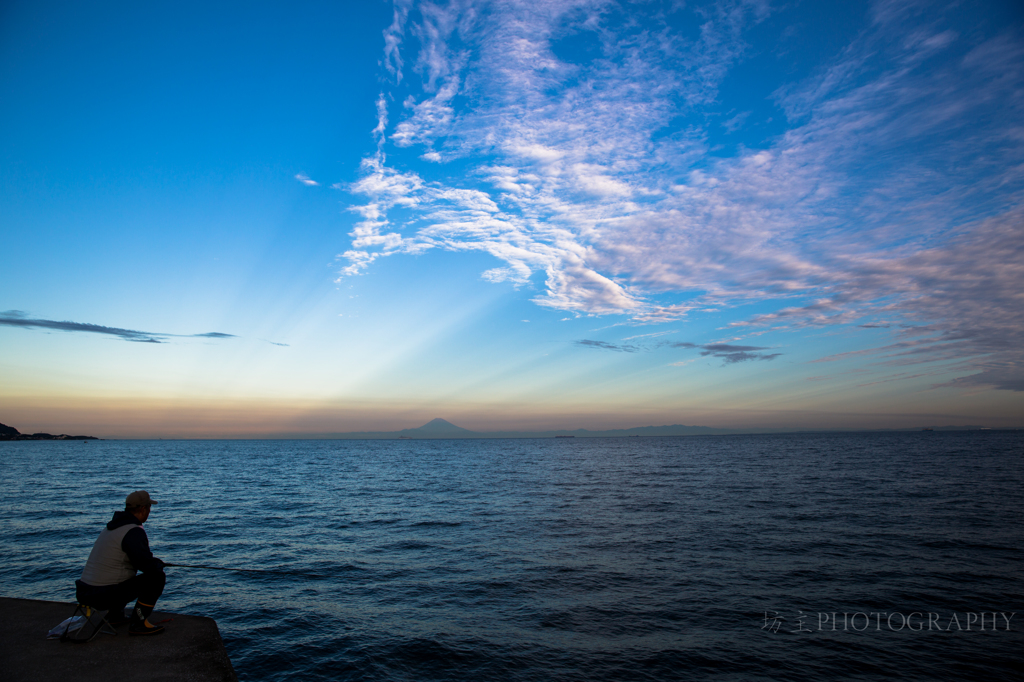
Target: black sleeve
<point>136,545</point>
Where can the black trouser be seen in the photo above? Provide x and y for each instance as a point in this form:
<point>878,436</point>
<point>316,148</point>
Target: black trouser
<point>146,587</point>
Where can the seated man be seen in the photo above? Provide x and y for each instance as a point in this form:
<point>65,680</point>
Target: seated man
<point>109,580</point>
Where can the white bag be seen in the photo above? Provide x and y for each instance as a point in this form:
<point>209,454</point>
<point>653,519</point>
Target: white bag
<point>70,625</point>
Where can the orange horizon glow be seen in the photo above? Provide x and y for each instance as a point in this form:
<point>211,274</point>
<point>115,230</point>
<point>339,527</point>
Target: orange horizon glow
<point>130,418</point>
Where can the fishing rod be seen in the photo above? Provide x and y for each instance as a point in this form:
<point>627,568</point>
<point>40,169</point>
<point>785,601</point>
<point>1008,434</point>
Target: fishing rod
<point>250,570</point>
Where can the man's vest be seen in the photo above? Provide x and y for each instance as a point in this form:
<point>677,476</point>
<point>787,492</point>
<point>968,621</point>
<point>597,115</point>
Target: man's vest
<point>107,563</point>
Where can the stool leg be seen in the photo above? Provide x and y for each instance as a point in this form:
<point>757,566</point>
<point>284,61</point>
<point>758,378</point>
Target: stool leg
<point>97,627</point>
<point>78,610</point>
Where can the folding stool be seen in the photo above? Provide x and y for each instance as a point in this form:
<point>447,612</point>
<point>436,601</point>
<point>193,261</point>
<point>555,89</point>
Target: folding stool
<point>96,618</point>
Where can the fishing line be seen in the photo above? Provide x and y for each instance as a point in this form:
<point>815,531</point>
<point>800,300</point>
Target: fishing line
<point>251,570</point>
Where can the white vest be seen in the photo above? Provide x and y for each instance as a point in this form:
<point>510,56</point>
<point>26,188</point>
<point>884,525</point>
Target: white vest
<point>107,563</point>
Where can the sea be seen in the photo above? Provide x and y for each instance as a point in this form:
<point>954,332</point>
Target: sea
<point>857,556</point>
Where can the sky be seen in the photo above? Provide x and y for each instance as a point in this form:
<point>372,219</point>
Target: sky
<point>251,219</point>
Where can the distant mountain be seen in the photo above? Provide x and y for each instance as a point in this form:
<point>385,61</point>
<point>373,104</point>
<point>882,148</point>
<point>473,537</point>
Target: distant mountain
<point>437,427</point>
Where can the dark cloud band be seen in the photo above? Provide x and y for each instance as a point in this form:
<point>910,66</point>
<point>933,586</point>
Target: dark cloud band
<point>729,353</point>
<point>622,348</point>
<point>16,318</point>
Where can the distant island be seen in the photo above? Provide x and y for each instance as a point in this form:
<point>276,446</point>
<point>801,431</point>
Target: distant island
<point>11,433</point>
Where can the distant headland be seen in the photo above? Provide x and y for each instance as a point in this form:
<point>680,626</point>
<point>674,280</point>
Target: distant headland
<point>11,433</point>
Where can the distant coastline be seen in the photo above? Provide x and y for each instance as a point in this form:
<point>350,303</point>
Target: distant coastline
<point>11,433</point>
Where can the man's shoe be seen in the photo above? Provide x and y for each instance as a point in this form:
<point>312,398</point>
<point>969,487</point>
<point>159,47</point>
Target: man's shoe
<point>144,628</point>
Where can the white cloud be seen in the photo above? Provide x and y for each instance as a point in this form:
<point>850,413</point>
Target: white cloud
<point>393,39</point>
<point>430,118</point>
<point>382,121</point>
<point>305,180</point>
<point>537,152</point>
<point>390,187</point>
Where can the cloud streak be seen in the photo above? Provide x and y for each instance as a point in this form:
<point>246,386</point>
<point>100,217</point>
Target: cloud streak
<point>17,318</point>
<point>604,345</point>
<point>730,354</point>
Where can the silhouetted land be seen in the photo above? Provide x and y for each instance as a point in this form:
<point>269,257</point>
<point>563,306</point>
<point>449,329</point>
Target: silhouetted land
<point>11,433</point>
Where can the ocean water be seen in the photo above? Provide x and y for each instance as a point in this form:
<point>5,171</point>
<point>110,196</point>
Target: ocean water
<point>697,558</point>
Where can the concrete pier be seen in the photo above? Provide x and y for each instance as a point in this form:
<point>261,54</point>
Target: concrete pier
<point>189,649</point>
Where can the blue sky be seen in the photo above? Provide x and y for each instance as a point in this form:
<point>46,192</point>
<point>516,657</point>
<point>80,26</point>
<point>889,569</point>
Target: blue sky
<point>511,215</point>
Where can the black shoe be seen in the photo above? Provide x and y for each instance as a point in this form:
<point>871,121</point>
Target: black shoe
<point>143,628</point>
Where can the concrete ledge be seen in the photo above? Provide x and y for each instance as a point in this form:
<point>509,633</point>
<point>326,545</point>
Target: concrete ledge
<point>189,649</point>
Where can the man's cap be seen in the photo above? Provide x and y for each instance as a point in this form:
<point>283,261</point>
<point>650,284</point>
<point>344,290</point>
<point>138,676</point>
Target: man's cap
<point>139,498</point>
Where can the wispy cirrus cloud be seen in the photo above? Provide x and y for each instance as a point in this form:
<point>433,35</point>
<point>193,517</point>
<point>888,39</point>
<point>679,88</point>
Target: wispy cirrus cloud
<point>591,174</point>
<point>17,318</point>
<point>306,180</point>
<point>557,185</point>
